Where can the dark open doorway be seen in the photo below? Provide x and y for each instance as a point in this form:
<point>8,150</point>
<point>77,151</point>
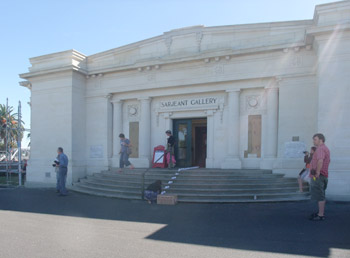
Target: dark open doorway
<point>191,142</point>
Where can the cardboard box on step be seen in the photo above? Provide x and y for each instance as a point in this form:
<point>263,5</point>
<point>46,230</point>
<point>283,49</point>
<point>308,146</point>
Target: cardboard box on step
<point>167,199</point>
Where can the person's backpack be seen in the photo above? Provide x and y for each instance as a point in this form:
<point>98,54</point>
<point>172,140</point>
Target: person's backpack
<point>129,150</point>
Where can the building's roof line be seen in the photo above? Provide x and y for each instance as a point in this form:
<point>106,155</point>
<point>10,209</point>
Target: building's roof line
<point>192,29</point>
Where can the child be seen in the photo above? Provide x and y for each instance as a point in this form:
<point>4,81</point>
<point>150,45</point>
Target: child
<point>304,174</point>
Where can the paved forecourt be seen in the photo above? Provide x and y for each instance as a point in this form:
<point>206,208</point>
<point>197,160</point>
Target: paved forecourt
<point>37,223</point>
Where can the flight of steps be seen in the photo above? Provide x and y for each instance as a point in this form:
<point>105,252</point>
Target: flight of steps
<point>198,185</point>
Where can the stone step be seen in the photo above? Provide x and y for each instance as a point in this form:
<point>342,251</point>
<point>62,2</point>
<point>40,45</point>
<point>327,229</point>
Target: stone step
<point>134,176</point>
<point>196,169</point>
<point>227,171</point>
<point>230,181</point>
<point>92,191</point>
<point>185,184</point>
<point>195,184</point>
<point>193,179</point>
<point>192,175</point>
<point>136,193</point>
<point>174,189</point>
<point>221,200</point>
<point>208,196</point>
<point>223,184</point>
<point>126,180</point>
<point>228,176</point>
<point>110,184</point>
<point>200,185</point>
<point>236,190</point>
<point>213,198</point>
<point>187,172</point>
<point>138,172</point>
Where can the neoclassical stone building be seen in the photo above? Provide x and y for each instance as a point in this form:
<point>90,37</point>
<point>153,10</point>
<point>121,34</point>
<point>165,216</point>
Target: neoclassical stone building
<point>241,96</point>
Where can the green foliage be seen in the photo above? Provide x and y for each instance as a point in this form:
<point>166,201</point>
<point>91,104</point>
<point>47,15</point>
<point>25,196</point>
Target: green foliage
<point>9,121</point>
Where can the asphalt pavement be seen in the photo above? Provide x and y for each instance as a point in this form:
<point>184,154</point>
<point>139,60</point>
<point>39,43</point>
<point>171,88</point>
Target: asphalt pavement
<point>38,223</point>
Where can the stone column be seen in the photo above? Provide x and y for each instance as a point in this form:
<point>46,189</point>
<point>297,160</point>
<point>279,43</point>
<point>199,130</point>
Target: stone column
<point>271,128</point>
<point>168,122</point>
<point>109,128</point>
<point>117,128</point>
<point>210,139</point>
<point>232,160</point>
<point>271,122</point>
<point>333,94</point>
<point>145,132</point>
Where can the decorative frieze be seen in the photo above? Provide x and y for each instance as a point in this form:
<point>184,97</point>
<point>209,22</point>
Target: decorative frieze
<point>296,61</point>
<point>151,77</point>
<point>219,69</point>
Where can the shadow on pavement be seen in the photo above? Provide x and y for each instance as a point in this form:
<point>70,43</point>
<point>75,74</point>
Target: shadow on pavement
<point>270,227</point>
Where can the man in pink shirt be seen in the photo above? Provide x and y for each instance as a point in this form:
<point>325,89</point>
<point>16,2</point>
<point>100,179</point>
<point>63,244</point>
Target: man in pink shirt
<point>319,175</point>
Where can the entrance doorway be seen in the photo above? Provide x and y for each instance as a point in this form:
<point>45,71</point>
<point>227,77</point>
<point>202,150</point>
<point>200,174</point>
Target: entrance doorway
<point>191,142</point>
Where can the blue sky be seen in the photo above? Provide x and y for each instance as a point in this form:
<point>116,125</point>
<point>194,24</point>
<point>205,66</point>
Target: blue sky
<point>34,28</point>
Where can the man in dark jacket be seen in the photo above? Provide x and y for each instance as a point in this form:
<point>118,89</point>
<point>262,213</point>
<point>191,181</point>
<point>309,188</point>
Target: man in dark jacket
<point>170,148</point>
<point>152,191</point>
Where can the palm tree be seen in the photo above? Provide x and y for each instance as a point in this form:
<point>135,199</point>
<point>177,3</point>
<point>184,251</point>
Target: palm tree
<point>8,120</point>
<point>28,137</point>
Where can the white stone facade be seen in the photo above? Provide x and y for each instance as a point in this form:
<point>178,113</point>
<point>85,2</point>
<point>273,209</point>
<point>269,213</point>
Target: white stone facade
<point>293,75</point>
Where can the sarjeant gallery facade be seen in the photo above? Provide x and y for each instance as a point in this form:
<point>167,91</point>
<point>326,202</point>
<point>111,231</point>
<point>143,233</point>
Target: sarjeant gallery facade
<point>236,97</point>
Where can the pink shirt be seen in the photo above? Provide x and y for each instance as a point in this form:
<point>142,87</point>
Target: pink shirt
<point>322,152</point>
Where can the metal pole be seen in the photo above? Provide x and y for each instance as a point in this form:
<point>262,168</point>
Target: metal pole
<point>6,139</point>
<point>19,139</point>
<point>143,178</point>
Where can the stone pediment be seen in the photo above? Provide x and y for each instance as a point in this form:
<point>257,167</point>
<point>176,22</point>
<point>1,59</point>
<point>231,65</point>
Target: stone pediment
<point>203,42</point>
<point>199,42</point>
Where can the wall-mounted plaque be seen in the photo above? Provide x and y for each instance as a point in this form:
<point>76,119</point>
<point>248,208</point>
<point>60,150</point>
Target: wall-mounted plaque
<point>294,149</point>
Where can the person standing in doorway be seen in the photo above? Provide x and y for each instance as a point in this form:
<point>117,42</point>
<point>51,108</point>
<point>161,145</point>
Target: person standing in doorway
<point>125,147</point>
<point>62,171</point>
<point>319,175</point>
<point>170,149</point>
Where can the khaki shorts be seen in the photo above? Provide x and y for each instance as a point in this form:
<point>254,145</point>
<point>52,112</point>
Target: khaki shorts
<point>318,188</point>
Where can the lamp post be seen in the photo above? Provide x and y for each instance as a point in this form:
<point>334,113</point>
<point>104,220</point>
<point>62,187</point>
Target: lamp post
<point>19,139</point>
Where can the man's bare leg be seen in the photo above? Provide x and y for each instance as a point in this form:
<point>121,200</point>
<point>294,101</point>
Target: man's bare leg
<point>300,185</point>
<point>321,206</point>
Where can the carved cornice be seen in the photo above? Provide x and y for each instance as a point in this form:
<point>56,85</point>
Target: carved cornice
<point>26,84</point>
<point>321,30</point>
<point>53,70</point>
<point>204,56</point>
